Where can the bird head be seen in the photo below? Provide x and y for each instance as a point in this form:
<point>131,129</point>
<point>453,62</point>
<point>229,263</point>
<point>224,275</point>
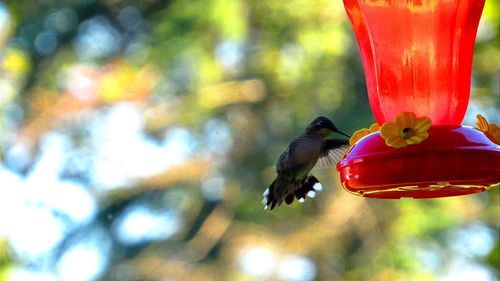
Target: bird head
<point>323,126</point>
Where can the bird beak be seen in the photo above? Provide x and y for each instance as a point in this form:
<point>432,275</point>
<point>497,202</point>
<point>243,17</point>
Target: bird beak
<point>342,133</point>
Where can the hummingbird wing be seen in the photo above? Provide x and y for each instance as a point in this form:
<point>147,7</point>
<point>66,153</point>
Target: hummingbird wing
<point>332,153</point>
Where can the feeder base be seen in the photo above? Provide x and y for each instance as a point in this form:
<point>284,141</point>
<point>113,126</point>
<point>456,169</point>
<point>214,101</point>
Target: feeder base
<point>452,161</point>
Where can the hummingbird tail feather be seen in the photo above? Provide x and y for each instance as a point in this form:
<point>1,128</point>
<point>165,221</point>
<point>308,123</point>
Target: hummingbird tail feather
<point>307,187</point>
<point>269,199</point>
<point>275,194</point>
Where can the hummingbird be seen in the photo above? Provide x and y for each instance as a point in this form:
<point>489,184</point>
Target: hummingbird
<point>310,149</point>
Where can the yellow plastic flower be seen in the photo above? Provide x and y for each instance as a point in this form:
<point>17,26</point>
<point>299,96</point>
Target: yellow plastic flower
<point>493,130</point>
<point>405,129</point>
<point>359,134</point>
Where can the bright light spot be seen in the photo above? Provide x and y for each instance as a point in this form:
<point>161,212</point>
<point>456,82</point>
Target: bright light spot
<point>473,240</point>
<point>490,112</point>
<point>114,136</point>
<point>141,224</point>
<point>257,261</point>
<point>213,188</point>
<point>229,54</point>
<point>50,161</point>
<point>466,271</point>
<point>46,43</point>
<point>485,31</point>
<point>68,198</point>
<point>125,154</point>
<point>296,268</point>
<point>97,38</point>
<point>218,137</point>
<point>18,156</point>
<point>292,56</point>
<point>13,116</point>
<point>178,143</point>
<point>80,81</point>
<point>10,199</point>
<point>430,256</point>
<point>20,274</point>
<point>82,262</point>
<point>29,213</point>
<point>43,186</point>
<point>35,232</point>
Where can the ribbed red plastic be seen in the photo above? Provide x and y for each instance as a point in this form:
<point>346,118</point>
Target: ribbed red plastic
<point>452,161</point>
<point>417,55</point>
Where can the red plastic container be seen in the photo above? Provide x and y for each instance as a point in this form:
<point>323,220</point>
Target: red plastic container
<point>417,57</point>
<point>452,161</point>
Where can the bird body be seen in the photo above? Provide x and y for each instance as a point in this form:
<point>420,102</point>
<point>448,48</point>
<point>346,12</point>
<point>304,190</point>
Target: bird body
<point>312,147</point>
<point>300,157</point>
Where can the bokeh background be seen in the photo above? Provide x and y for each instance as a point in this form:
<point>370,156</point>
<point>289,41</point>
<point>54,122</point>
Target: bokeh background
<point>137,137</point>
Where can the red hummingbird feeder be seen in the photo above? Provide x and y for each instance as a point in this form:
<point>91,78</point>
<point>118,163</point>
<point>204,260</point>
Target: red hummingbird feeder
<point>417,57</point>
